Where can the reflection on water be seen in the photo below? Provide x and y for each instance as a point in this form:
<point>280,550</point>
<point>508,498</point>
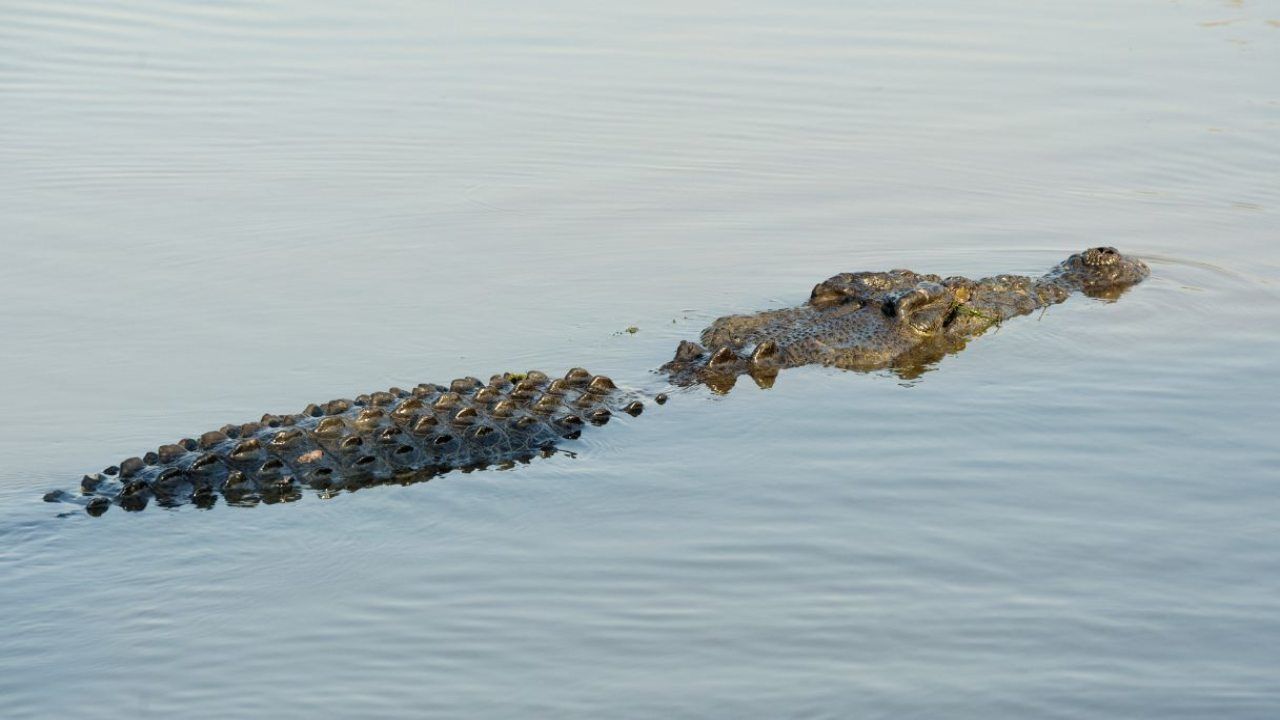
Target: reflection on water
<point>289,488</point>
<point>212,209</point>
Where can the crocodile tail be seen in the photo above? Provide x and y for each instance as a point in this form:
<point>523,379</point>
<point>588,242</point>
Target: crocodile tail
<point>393,436</point>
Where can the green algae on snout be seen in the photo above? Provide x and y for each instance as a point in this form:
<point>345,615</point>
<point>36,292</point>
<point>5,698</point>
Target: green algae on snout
<point>962,308</point>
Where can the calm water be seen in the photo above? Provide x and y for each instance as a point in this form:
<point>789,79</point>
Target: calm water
<point>212,210</point>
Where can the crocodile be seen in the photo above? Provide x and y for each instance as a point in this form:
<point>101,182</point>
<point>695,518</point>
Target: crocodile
<point>897,320</point>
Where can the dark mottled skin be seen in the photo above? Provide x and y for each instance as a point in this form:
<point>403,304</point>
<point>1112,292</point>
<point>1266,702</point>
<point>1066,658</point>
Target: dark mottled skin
<point>396,436</point>
<point>896,319</point>
<point>858,321</point>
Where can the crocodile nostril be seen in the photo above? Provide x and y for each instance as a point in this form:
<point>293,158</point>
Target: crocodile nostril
<point>1101,256</point>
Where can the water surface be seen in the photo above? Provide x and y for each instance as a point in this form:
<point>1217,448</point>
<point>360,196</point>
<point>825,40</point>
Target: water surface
<point>214,210</point>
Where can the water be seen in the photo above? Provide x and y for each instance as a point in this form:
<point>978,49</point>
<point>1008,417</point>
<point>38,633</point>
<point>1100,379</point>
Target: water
<point>214,210</point>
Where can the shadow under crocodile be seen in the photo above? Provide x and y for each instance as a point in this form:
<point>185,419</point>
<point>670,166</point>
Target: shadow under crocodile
<point>897,320</point>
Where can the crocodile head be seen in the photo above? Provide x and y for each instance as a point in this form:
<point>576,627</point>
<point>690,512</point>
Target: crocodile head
<point>857,321</point>
<point>1101,272</point>
<point>897,319</point>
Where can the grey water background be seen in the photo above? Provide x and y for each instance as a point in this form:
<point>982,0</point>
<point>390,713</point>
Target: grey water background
<point>213,210</point>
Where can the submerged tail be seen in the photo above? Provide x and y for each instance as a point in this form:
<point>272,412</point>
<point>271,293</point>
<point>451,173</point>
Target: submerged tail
<point>396,436</point>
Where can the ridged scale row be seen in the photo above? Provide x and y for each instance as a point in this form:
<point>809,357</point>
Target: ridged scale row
<point>396,435</point>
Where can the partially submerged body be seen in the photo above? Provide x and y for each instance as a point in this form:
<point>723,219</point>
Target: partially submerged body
<point>858,321</point>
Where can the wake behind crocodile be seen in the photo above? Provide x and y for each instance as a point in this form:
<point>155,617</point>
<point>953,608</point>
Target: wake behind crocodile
<point>897,320</point>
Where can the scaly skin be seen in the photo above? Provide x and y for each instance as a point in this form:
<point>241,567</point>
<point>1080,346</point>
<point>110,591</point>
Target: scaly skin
<point>896,319</point>
<point>857,321</point>
<point>396,436</point>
